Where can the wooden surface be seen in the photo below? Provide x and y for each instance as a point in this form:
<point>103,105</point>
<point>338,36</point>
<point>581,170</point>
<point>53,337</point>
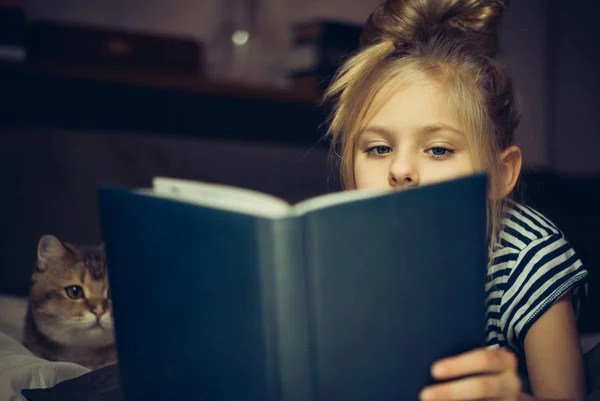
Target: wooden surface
<point>100,99</point>
<point>189,83</point>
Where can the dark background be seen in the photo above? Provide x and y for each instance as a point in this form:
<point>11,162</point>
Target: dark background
<point>62,134</point>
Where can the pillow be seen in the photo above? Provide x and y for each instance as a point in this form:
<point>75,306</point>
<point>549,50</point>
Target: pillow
<point>98,385</point>
<point>12,315</point>
<point>20,369</point>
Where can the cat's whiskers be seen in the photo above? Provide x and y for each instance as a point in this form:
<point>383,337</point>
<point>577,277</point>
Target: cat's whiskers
<point>79,330</point>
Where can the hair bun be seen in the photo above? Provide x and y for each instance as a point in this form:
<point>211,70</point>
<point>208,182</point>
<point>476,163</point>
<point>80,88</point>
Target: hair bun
<point>400,21</point>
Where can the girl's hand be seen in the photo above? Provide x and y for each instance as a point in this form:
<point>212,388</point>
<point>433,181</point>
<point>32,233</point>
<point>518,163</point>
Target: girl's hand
<point>492,375</point>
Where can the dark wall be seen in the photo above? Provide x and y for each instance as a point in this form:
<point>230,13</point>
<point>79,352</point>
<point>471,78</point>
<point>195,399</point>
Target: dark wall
<point>575,87</point>
<point>49,181</point>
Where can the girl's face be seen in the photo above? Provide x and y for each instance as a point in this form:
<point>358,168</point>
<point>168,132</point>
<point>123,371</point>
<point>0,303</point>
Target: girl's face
<point>413,139</point>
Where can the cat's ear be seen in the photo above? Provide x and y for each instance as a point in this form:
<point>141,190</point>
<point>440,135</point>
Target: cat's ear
<point>49,250</point>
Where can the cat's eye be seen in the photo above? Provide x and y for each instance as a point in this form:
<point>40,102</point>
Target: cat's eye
<point>74,292</point>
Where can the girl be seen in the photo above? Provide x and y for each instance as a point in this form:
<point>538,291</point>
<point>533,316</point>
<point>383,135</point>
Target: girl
<point>424,100</point>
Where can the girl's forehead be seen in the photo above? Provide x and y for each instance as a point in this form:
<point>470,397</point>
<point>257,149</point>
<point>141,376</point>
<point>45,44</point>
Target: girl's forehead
<point>414,103</point>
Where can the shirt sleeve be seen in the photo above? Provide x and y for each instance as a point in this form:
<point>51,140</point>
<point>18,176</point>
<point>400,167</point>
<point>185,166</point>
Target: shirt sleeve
<point>544,271</point>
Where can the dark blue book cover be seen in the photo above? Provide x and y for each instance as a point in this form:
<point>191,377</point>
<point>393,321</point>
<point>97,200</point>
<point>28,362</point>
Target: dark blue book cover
<point>225,294</point>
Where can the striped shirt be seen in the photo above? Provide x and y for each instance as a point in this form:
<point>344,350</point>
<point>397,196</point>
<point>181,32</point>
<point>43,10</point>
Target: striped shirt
<point>531,267</point>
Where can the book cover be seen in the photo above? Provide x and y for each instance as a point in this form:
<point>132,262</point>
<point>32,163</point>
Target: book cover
<point>228,294</point>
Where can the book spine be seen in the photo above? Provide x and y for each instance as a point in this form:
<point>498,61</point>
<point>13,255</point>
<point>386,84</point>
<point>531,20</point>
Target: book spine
<point>284,302</point>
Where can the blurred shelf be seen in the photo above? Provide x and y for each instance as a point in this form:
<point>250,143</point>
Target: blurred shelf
<point>102,99</point>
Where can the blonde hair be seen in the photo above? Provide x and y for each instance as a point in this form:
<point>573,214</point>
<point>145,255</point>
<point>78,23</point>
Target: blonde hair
<point>449,43</point>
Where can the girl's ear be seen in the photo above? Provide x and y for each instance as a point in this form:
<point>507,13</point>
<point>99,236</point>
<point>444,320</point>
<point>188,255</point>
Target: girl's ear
<point>511,160</point>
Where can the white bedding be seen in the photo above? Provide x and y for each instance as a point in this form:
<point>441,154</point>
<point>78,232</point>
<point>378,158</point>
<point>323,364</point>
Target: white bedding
<point>19,368</point>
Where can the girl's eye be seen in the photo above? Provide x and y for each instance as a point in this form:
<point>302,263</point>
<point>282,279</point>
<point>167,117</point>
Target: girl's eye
<point>439,152</point>
<point>380,150</point>
<point>74,292</point>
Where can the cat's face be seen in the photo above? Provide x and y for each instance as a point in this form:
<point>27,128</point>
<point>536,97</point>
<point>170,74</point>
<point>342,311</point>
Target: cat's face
<point>70,295</point>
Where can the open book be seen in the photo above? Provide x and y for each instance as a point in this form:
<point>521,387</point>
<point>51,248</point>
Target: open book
<point>247,201</point>
<point>236,295</point>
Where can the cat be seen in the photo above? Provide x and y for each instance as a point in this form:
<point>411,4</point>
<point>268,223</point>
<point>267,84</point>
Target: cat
<point>69,313</point>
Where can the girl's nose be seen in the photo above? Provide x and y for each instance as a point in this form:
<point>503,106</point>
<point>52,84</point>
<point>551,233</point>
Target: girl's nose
<point>403,173</point>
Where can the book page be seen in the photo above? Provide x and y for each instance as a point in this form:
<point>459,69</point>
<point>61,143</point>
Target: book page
<point>222,197</point>
<point>329,200</point>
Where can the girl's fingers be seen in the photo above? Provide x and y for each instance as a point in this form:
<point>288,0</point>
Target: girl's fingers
<point>479,361</point>
<point>506,386</point>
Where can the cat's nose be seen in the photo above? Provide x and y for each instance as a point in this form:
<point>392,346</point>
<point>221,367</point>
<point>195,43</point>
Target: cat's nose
<point>98,311</point>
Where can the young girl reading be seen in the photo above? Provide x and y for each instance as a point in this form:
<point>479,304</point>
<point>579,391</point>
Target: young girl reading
<point>424,100</point>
